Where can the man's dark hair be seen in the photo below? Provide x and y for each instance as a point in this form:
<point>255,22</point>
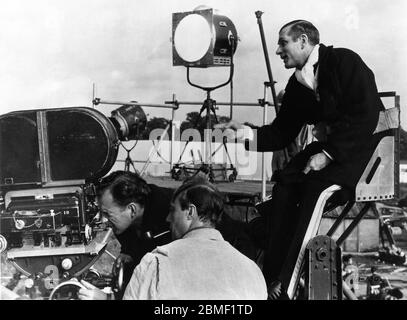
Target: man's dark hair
<point>204,196</point>
<point>125,187</point>
<point>299,27</point>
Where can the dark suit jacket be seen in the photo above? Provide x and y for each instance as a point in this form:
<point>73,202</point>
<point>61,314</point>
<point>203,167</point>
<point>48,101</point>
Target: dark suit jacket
<point>347,102</point>
<point>133,241</point>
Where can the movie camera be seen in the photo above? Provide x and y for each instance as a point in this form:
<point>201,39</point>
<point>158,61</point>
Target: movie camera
<point>50,162</point>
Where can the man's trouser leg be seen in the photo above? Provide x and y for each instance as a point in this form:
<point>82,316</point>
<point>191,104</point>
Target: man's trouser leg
<point>280,221</point>
<point>293,199</point>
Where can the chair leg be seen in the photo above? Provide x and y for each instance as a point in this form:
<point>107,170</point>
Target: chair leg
<point>353,225</point>
<point>342,216</point>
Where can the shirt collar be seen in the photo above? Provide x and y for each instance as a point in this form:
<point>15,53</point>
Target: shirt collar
<point>306,75</point>
<point>313,57</point>
<point>208,233</point>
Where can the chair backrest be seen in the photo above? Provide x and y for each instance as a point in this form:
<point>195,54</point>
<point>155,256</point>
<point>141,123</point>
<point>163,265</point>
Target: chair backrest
<point>380,180</point>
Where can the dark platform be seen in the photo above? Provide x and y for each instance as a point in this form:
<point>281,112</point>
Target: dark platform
<point>239,190</point>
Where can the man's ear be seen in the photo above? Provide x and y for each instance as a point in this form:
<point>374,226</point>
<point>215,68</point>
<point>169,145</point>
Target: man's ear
<point>135,208</point>
<point>192,212</point>
<point>304,40</point>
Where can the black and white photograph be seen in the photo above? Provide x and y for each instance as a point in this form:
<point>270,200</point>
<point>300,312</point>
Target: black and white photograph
<point>204,155</point>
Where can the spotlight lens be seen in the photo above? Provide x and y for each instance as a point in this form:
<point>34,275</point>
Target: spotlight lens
<point>192,37</point>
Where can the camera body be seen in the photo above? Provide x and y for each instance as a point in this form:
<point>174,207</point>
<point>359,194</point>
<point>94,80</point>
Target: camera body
<point>50,160</point>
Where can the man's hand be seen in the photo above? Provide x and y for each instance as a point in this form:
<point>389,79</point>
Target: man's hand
<point>91,292</point>
<point>317,162</point>
<point>229,128</point>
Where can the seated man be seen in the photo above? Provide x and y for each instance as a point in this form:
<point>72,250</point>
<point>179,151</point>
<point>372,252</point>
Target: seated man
<point>199,263</point>
<point>333,89</point>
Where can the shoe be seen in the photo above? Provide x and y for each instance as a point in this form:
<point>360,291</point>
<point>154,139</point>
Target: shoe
<point>275,291</point>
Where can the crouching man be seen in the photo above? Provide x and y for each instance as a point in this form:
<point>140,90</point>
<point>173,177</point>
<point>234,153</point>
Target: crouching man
<point>134,209</point>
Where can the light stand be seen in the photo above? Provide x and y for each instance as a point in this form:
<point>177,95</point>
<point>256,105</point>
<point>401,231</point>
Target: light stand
<point>128,161</point>
<point>208,106</point>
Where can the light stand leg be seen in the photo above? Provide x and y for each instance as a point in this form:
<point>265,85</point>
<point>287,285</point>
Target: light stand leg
<point>204,106</point>
<point>172,134</point>
<point>155,149</point>
<point>263,155</point>
<point>208,135</point>
<point>211,108</point>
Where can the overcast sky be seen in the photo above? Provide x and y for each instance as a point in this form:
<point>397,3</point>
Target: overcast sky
<point>52,51</point>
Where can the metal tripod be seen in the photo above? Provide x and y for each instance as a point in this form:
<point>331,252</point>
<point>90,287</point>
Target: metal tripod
<point>128,161</point>
<point>206,167</point>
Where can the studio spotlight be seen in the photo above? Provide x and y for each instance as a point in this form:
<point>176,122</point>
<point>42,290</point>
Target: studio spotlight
<point>202,38</point>
<point>130,122</point>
